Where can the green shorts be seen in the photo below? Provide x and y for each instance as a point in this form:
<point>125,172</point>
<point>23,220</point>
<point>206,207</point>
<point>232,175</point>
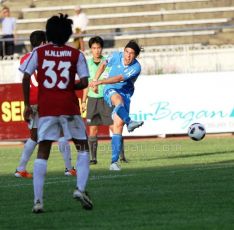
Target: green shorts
<point>98,112</point>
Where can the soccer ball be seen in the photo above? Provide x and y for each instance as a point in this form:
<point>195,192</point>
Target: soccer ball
<point>196,131</point>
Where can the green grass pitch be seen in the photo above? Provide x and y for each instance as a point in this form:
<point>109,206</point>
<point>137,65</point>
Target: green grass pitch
<point>168,184</point>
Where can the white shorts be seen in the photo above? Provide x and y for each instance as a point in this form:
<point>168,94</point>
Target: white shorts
<point>51,128</point>
<point>32,124</point>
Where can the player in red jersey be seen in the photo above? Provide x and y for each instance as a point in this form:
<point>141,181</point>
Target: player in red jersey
<point>57,65</point>
<point>38,38</point>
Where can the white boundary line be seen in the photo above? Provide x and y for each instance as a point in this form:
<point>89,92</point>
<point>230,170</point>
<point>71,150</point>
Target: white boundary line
<point>93,178</point>
<point>57,180</point>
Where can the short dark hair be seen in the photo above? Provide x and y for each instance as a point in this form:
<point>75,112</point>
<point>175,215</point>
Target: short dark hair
<point>59,29</point>
<point>37,37</point>
<point>97,40</point>
<point>5,8</point>
<point>134,45</point>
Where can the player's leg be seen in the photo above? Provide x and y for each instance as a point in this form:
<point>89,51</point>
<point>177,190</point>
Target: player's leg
<point>82,166</point>
<point>116,142</point>
<point>93,143</point>
<point>77,130</point>
<point>48,131</point>
<point>40,168</point>
<point>105,112</point>
<point>29,147</point>
<point>119,109</point>
<point>122,153</point>
<point>113,98</point>
<point>82,163</point>
<point>122,103</point>
<point>93,120</point>
<point>65,149</point>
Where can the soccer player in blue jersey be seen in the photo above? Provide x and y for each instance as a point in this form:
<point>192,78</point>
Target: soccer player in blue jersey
<point>124,71</point>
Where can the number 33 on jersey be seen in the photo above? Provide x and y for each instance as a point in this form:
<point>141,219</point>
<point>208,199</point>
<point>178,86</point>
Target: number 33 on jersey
<point>56,70</point>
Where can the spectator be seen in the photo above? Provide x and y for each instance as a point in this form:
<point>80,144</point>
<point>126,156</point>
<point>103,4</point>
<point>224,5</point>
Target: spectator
<point>80,22</point>
<point>8,31</point>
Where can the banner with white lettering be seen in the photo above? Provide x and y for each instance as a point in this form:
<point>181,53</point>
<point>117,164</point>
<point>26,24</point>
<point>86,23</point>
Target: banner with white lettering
<point>169,104</point>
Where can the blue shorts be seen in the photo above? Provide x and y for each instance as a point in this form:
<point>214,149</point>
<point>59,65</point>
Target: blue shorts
<point>110,92</point>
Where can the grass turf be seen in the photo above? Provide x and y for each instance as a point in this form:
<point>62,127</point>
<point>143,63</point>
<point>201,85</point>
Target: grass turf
<point>168,184</point>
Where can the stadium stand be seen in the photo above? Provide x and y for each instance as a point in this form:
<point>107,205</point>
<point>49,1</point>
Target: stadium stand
<point>153,22</point>
<point>167,29</point>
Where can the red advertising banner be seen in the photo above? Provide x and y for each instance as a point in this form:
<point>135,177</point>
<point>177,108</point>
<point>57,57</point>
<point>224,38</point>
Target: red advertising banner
<point>12,124</point>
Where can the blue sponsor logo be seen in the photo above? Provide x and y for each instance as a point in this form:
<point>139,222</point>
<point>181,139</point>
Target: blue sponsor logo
<point>162,110</point>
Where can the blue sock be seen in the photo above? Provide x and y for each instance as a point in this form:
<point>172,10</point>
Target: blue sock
<point>122,113</point>
<point>116,144</point>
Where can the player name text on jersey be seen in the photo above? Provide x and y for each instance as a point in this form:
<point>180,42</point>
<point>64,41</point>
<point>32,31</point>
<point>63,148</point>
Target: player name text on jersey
<point>62,53</point>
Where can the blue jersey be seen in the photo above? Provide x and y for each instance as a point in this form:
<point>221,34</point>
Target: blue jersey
<point>130,73</point>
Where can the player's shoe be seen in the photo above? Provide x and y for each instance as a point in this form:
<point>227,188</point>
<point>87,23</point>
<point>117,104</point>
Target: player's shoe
<point>37,207</point>
<point>23,174</point>
<point>93,162</point>
<point>115,167</point>
<point>133,125</point>
<point>70,172</point>
<point>84,199</point>
<point>124,160</point>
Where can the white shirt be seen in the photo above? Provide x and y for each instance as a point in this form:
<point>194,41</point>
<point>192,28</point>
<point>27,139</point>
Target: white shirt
<point>8,25</point>
<point>80,21</point>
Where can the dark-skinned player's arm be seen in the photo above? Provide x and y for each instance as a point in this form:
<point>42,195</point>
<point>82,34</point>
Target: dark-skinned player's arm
<point>26,92</point>
<point>82,84</point>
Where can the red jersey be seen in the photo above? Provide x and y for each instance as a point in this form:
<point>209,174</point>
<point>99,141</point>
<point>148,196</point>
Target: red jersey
<point>56,69</point>
<point>33,100</point>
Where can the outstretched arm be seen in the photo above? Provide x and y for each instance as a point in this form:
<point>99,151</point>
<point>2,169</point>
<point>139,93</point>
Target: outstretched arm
<point>100,70</point>
<point>110,80</point>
